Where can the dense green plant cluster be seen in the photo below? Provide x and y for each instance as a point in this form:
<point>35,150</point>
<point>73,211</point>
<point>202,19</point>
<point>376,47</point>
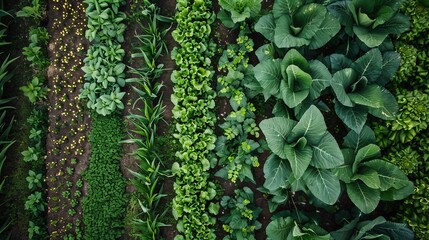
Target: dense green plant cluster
<point>150,46</point>
<point>236,150</point>
<point>241,222</point>
<point>328,61</point>
<point>104,204</point>
<point>194,102</point>
<point>104,70</point>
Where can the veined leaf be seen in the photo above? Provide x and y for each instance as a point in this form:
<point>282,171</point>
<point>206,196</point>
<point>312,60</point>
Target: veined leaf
<point>356,141</point>
<point>340,82</point>
<point>368,152</point>
<point>276,172</point>
<point>327,153</point>
<point>353,117</point>
<point>280,228</point>
<point>365,198</point>
<point>389,174</point>
<point>299,159</point>
<point>311,125</point>
<point>323,184</point>
<point>368,176</point>
<point>268,74</point>
<point>286,7</point>
<point>276,131</point>
<point>266,26</point>
<point>284,37</point>
<point>325,32</point>
<point>369,65</point>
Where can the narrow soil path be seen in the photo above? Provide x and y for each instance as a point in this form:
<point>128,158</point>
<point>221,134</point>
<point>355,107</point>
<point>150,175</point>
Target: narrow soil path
<point>67,141</point>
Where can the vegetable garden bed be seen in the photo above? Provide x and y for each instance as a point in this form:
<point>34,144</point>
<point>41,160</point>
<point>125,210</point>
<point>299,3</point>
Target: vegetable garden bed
<point>225,119</point>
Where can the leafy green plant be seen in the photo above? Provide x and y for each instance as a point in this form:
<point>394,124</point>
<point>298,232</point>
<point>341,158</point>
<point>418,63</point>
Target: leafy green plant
<point>34,180</point>
<point>33,230</point>
<point>31,154</point>
<point>106,185</point>
<point>287,228</point>
<point>306,150</point>
<point>296,23</point>
<point>378,227</point>
<point>35,203</point>
<point>371,21</point>
<point>34,11</point>
<point>358,88</point>
<point>35,90</point>
<point>292,79</point>
<point>236,11</point>
<point>241,222</point>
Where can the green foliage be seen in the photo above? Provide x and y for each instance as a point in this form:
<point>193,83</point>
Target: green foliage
<point>106,186</point>
<point>237,11</point>
<point>294,23</point>
<point>414,210</point>
<point>104,70</point>
<point>419,16</point>
<point>407,159</point>
<point>368,229</point>
<point>35,203</point>
<point>36,52</point>
<point>35,90</point>
<point>371,21</point>
<point>34,180</point>
<point>34,11</point>
<point>193,100</point>
<point>287,228</point>
<point>241,222</point>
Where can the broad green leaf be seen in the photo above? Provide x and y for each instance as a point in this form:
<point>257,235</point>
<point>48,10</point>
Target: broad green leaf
<point>356,141</point>
<point>366,226</point>
<point>265,52</point>
<point>266,26</point>
<point>391,63</point>
<point>276,172</point>
<point>368,176</point>
<point>388,106</point>
<point>381,102</point>
<point>276,131</point>
<point>284,37</point>
<point>396,231</point>
<point>353,117</point>
<point>340,82</point>
<point>286,7</point>
<point>365,198</point>
<point>344,173</point>
<point>369,65</point>
<point>311,125</point>
<point>237,222</point>
<point>323,184</point>
<point>346,232</point>
<point>321,78</point>
<point>396,25</point>
<point>327,153</point>
<point>299,159</point>
<point>293,57</point>
<point>309,17</point>
<point>371,37</point>
<point>298,79</point>
<point>393,194</point>
<point>368,152</point>
<point>339,62</point>
<point>292,98</point>
<point>325,32</point>
<point>225,18</point>
<point>389,174</point>
<point>268,74</point>
<point>383,15</point>
<point>280,229</point>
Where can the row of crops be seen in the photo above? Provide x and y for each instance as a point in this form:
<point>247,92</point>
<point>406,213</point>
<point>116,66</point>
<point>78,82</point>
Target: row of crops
<point>228,119</point>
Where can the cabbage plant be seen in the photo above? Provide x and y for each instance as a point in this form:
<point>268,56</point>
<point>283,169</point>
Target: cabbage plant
<point>371,21</point>
<point>293,23</point>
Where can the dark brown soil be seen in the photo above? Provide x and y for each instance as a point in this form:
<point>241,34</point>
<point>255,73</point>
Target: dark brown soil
<point>67,142</point>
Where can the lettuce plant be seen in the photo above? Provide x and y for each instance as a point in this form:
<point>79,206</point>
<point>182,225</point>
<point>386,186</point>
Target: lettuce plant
<point>294,23</point>
<point>235,11</point>
<point>371,21</point>
<point>303,149</point>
